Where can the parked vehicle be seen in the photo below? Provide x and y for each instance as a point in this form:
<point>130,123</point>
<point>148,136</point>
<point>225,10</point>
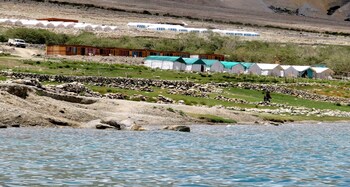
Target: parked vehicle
<point>17,42</point>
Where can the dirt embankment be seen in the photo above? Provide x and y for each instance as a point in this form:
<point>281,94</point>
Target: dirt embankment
<point>29,104</point>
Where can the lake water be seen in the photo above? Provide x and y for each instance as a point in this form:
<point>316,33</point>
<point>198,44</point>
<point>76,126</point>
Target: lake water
<point>288,155</point>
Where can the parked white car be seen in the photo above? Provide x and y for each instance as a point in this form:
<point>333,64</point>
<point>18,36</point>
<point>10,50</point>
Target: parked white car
<point>17,42</point>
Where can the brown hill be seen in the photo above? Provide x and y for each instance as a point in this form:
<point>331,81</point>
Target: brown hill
<point>315,14</point>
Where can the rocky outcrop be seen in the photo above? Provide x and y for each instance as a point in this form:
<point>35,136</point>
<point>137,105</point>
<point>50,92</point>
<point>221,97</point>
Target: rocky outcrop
<point>103,126</point>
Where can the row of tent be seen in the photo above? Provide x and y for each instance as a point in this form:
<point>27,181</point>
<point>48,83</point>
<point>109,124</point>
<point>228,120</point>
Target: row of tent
<point>57,24</point>
<point>179,28</point>
<point>204,65</point>
<point>107,28</point>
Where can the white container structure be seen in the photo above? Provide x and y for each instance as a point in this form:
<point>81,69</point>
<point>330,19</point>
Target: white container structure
<point>322,72</point>
<point>236,33</point>
<point>139,25</point>
<point>197,30</point>
<point>165,62</point>
<point>233,67</point>
<point>265,69</point>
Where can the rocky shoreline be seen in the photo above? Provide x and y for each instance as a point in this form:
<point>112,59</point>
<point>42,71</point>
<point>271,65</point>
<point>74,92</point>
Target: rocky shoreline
<point>82,98</point>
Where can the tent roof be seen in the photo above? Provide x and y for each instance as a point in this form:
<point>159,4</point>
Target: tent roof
<point>190,61</point>
<point>284,67</point>
<point>209,62</point>
<point>247,65</point>
<point>267,66</point>
<point>300,68</point>
<point>321,69</point>
<point>166,58</point>
<point>229,65</point>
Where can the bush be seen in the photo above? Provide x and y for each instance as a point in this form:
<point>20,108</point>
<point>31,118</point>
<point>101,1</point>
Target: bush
<point>170,110</point>
<point>37,36</point>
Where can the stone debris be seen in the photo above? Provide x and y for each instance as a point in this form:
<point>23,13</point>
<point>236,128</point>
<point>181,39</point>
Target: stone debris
<point>165,100</point>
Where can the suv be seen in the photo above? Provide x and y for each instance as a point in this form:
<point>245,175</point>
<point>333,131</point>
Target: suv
<point>17,43</point>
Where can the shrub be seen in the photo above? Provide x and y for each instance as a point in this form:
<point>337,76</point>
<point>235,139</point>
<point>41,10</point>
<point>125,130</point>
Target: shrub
<point>170,110</point>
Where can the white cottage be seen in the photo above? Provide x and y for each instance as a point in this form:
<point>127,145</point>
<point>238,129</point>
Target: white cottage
<point>233,67</point>
<point>265,69</point>
<point>213,65</point>
<point>166,62</point>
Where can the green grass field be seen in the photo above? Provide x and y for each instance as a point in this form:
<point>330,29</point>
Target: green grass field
<point>137,71</point>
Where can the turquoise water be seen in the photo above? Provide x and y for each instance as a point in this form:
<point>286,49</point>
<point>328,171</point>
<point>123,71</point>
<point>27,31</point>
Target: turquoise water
<point>289,155</point>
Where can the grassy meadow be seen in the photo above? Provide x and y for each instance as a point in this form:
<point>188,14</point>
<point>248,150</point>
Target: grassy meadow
<point>136,71</point>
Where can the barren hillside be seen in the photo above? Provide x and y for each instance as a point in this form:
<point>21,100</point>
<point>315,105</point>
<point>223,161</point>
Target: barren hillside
<point>330,15</point>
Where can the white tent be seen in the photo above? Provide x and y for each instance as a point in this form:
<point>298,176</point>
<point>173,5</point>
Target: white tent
<point>68,25</point>
<point>265,69</point>
<point>233,67</point>
<point>2,20</point>
<point>97,27</point>
<point>18,22</point>
<point>284,67</point>
<point>114,28</point>
<point>297,71</point>
<point>213,65</point>
<point>58,24</point>
<point>10,21</point>
<point>194,64</point>
<point>106,28</point>
<point>83,26</point>
<point>165,62</point>
<point>322,72</point>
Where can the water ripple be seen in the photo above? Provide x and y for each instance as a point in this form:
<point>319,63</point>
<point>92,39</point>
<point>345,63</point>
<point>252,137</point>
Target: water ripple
<point>289,155</point>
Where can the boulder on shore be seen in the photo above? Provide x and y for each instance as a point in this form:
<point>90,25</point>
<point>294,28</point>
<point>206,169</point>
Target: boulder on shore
<point>103,126</point>
<point>114,123</point>
<point>180,128</point>
<point>3,126</point>
<point>136,127</point>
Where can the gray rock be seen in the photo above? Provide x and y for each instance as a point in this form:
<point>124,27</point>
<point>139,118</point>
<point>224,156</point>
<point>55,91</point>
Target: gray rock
<point>136,127</point>
<point>180,128</point>
<point>103,126</point>
<point>114,123</point>
<point>16,125</point>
